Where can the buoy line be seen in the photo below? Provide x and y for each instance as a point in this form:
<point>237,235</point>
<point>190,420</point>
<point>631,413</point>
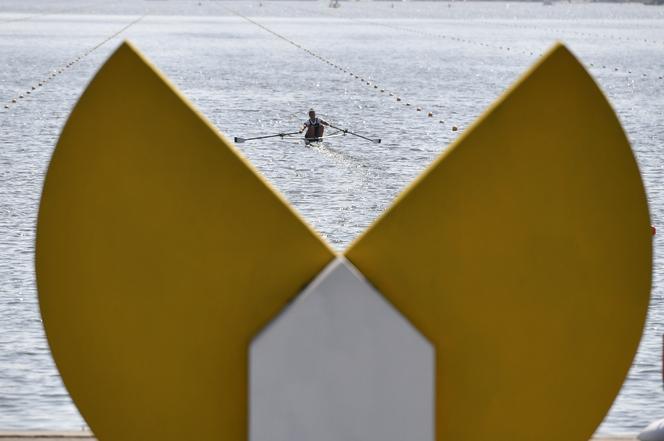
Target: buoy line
<point>551,29</point>
<point>575,32</point>
<point>503,47</point>
<point>59,70</point>
<point>450,37</point>
<point>366,80</point>
<point>41,14</point>
<point>488,45</point>
<point>26,18</point>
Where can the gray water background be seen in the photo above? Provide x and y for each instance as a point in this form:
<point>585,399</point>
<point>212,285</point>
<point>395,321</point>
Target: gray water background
<point>248,82</point>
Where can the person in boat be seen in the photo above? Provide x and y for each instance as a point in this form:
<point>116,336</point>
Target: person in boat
<point>314,126</point>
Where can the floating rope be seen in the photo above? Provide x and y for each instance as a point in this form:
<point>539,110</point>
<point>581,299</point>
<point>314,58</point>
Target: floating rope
<point>26,18</point>
<point>453,37</point>
<point>41,14</point>
<point>366,80</point>
<point>580,33</point>
<point>500,47</point>
<point>61,69</point>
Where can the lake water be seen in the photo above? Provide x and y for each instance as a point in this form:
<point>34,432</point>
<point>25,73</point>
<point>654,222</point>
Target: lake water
<point>452,59</point>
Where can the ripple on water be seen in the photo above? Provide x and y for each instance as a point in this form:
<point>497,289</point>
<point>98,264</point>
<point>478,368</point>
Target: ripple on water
<point>247,82</point>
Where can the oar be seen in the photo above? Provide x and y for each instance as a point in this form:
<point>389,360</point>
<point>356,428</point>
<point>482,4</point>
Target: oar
<point>375,141</point>
<point>241,140</point>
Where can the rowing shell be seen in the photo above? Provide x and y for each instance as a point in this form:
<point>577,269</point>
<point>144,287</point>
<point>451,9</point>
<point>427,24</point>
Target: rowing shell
<point>310,141</point>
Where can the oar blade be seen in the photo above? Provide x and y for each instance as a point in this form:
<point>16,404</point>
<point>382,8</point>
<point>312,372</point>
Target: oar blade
<point>239,140</point>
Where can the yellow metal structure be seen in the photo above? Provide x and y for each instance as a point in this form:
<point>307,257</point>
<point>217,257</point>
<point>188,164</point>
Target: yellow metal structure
<point>160,254</point>
<point>524,255</point>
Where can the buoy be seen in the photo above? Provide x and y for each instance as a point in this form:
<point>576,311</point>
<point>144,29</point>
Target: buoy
<point>418,109</point>
<point>6,106</point>
<point>430,114</point>
<point>398,99</point>
<point>454,128</point>
<point>441,121</point>
<point>14,100</point>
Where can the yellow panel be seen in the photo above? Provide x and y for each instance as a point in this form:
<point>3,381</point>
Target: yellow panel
<point>160,253</point>
<point>524,255</point>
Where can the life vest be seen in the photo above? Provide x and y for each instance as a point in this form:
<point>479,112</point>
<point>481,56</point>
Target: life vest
<point>315,128</point>
<point>313,122</point>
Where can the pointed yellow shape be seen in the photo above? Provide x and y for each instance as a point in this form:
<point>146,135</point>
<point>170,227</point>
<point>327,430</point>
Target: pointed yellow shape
<point>160,254</point>
<point>524,255</point>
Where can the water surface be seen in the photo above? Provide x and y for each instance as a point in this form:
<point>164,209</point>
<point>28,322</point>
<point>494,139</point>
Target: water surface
<point>450,59</point>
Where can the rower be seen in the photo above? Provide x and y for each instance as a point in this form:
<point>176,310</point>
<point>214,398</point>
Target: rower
<point>314,126</point>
